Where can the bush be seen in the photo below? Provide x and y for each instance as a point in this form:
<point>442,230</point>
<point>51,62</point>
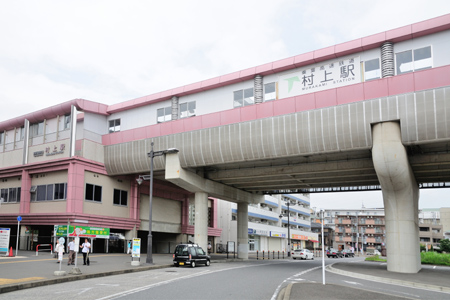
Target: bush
<point>433,258</point>
<point>375,258</point>
<point>422,248</point>
<point>445,245</point>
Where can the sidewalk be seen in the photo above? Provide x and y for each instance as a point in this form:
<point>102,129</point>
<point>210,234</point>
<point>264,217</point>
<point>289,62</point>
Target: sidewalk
<point>430,278</point>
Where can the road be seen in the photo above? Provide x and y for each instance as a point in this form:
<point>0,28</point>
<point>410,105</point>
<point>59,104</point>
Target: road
<point>237,280</point>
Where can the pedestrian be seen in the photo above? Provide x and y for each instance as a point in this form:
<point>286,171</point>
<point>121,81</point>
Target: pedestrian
<point>129,247</point>
<point>71,246</point>
<point>86,246</point>
<point>209,247</point>
<point>59,249</point>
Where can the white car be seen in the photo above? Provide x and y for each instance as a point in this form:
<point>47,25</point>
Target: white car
<point>302,254</point>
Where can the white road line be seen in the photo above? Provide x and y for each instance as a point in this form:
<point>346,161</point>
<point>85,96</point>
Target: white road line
<point>275,294</point>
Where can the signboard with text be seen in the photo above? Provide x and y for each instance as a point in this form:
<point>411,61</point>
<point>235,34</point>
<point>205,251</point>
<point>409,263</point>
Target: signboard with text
<point>136,249</point>
<point>4,239</point>
<point>82,231</point>
<point>319,77</point>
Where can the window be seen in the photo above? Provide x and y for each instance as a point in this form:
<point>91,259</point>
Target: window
<point>243,98</point>
<point>49,192</point>
<point>372,69</point>
<point>20,134</point>
<point>269,91</point>
<point>2,135</point>
<point>67,121</point>
<point>4,195</point>
<point>37,129</point>
<point>114,125</point>
<point>120,197</point>
<point>164,114</point>
<point>413,60</point>
<point>187,109</point>
<point>93,192</point>
<point>10,194</point>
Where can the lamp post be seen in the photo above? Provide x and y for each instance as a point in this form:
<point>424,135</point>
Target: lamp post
<point>323,249</point>
<point>289,229</point>
<point>152,154</point>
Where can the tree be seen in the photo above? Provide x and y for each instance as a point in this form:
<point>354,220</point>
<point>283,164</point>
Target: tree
<point>445,245</point>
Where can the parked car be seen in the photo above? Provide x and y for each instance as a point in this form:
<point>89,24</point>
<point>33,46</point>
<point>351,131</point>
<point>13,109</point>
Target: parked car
<point>334,253</point>
<point>373,252</point>
<point>190,254</point>
<point>348,253</point>
<point>302,254</point>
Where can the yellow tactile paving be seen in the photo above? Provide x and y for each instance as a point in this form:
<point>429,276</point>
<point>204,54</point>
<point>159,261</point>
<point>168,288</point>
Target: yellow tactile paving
<point>4,281</point>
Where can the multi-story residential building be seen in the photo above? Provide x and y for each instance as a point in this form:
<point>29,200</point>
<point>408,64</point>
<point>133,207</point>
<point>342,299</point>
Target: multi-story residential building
<point>430,229</point>
<point>328,234</point>
<point>268,223</point>
<point>445,221</point>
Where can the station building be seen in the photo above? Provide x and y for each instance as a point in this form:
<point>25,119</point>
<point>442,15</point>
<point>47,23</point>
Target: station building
<point>78,163</point>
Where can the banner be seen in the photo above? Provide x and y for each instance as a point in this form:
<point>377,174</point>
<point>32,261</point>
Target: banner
<point>82,231</point>
<point>136,250</point>
<point>4,239</point>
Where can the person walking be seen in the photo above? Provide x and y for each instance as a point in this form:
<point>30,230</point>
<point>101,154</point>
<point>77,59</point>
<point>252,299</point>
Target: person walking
<point>86,248</point>
<point>71,246</point>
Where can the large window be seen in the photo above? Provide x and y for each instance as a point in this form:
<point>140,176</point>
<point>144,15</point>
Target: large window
<point>37,129</point>
<point>49,192</point>
<point>2,136</point>
<point>414,60</point>
<point>93,192</point>
<point>372,69</point>
<point>114,125</point>
<point>187,109</point>
<point>20,134</point>
<point>269,91</point>
<point>243,97</point>
<point>67,121</point>
<point>120,197</point>
<point>164,114</point>
<point>10,194</point>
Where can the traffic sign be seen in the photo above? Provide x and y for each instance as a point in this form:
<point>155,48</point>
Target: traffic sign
<point>19,218</point>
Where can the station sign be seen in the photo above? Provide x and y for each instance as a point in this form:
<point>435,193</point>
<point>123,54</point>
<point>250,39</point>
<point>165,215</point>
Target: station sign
<point>4,239</point>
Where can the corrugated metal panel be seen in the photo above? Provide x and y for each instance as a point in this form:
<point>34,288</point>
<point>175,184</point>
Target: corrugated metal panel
<point>423,117</point>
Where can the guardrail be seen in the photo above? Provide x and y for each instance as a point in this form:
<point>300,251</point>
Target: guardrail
<point>43,245</point>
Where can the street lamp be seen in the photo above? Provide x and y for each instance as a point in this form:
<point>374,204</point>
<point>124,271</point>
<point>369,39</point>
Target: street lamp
<point>152,154</point>
<point>289,228</point>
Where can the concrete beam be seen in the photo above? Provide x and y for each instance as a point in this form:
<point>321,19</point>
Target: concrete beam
<point>194,183</point>
<point>400,196</point>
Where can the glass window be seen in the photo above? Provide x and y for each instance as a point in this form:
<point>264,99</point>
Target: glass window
<point>4,195</point>
<point>187,109</point>
<point>2,135</point>
<point>416,60</point>
<point>422,58</point>
<point>37,129</point>
<point>20,134</point>
<point>114,125</point>
<point>248,97</point>
<point>93,192</point>
<point>372,69</point>
<point>60,191</point>
<point>269,91</point>
<point>120,197</point>
<point>67,122</point>
<point>164,114</point>
<point>49,192</point>
<point>41,192</point>
<point>238,98</point>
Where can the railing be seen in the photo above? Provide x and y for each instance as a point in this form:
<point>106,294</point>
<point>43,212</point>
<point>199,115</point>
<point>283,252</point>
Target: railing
<point>51,248</point>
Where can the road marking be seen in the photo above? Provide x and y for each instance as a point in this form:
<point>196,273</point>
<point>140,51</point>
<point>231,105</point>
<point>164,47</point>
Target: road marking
<point>352,282</point>
<point>9,281</point>
<point>275,294</point>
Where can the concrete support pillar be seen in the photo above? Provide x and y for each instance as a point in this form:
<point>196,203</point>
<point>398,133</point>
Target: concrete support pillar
<point>201,220</point>
<point>242,230</point>
<point>400,196</point>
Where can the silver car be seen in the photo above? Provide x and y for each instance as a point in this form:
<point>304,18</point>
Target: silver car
<point>302,254</point>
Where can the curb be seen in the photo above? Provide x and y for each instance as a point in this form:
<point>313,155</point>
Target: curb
<point>389,280</point>
<point>37,283</point>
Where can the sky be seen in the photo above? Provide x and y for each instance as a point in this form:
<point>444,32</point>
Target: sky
<point>113,51</point>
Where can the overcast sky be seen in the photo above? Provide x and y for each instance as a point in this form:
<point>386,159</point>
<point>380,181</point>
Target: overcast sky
<point>113,51</point>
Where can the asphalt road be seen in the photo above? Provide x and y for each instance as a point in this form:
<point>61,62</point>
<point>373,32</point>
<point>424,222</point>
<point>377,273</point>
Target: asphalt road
<point>233,280</point>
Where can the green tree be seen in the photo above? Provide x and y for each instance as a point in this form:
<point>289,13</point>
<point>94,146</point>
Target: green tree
<point>445,245</point>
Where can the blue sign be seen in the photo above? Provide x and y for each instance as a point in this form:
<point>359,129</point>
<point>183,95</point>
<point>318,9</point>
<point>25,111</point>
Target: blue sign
<point>250,231</point>
<point>19,218</point>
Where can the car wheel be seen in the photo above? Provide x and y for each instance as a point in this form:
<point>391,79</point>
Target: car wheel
<point>176,265</point>
<point>193,264</point>
<point>312,258</point>
<point>207,263</point>
<point>294,258</point>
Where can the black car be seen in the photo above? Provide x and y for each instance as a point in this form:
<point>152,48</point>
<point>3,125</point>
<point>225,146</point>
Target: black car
<point>190,254</point>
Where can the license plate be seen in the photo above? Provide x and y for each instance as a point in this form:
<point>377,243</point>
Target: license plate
<point>181,263</point>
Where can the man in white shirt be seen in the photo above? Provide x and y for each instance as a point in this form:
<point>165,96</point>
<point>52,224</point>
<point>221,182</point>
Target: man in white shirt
<point>86,246</point>
<point>71,246</point>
